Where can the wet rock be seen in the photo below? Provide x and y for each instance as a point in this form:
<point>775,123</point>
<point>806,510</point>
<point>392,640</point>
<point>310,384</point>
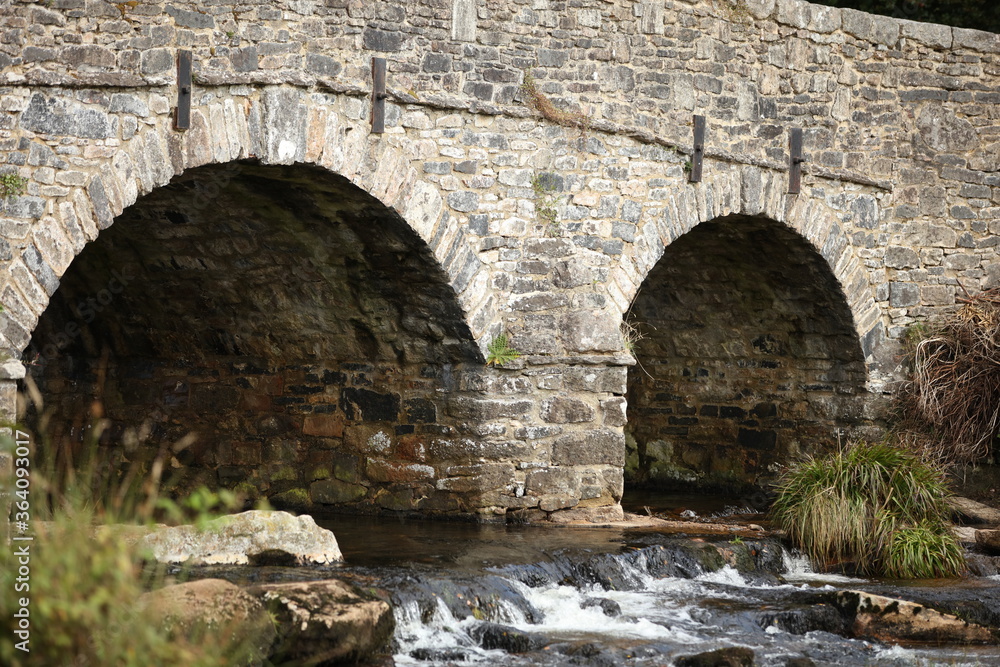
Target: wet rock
<point>325,622</point>
<point>982,566</point>
<point>439,656</point>
<point>240,538</point>
<point>989,541</point>
<point>974,512</point>
<point>823,617</point>
<point>216,610</point>
<point>733,656</point>
<point>799,662</point>
<point>609,607</point>
<point>597,655</point>
<point>889,619</point>
<point>506,638</point>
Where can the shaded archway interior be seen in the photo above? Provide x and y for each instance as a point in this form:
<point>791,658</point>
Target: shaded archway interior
<point>748,358</point>
<point>299,328</point>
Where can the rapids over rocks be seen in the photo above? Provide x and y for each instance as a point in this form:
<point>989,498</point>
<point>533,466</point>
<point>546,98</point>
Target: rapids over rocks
<point>513,595</point>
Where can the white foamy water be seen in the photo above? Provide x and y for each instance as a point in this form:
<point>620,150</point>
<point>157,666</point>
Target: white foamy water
<point>799,569</point>
<point>565,616</point>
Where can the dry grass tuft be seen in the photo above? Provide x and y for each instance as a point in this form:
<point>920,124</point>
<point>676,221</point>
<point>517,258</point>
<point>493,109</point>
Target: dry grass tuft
<point>543,105</point>
<point>951,407</point>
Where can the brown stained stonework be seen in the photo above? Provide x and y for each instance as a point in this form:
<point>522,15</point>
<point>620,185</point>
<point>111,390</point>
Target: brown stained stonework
<point>310,297</point>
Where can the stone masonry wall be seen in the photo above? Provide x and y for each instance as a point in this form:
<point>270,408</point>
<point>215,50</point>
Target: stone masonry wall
<point>746,359</point>
<point>899,194</point>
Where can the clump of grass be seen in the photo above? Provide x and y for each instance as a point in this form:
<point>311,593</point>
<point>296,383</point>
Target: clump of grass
<point>950,410</point>
<point>543,105</point>
<point>499,351</point>
<point>630,336</point>
<point>924,552</point>
<point>874,504</point>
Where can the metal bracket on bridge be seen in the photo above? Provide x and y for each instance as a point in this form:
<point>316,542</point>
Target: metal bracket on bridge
<point>182,114</point>
<point>795,161</point>
<point>697,157</point>
<point>378,95</point>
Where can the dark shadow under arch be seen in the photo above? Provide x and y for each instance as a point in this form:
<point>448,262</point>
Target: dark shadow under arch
<point>748,358</point>
<point>298,327</point>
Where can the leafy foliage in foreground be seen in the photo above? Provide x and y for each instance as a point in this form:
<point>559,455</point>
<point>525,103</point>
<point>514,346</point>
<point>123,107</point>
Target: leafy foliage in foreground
<point>873,504</point>
<point>85,576</point>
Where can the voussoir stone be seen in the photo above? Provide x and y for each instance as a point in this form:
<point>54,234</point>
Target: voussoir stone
<point>240,538</point>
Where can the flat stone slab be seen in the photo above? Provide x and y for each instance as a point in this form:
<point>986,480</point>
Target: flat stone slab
<point>247,538</point>
<point>890,619</point>
<point>974,511</point>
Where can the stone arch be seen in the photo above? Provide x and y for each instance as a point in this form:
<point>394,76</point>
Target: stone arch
<point>282,126</point>
<point>750,191</point>
<point>758,320</point>
<point>389,442</point>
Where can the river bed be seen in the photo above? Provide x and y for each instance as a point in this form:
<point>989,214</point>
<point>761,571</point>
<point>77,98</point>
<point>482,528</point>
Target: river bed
<point>513,595</point>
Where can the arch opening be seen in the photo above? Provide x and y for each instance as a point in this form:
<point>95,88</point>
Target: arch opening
<point>297,328</point>
<point>748,357</point>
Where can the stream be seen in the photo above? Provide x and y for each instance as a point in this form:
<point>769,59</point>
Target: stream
<point>498,595</point>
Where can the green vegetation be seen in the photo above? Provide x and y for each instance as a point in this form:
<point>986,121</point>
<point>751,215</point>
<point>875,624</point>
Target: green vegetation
<point>924,552</point>
<point>12,185</point>
<point>85,573</point>
<point>545,203</point>
<point>499,351</point>
<point>876,505</point>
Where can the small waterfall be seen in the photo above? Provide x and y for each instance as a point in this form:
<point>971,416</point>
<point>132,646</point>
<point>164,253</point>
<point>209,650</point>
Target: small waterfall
<point>638,595</point>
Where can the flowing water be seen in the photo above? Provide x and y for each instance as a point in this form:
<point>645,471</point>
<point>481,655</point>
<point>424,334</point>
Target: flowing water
<point>526,595</point>
<point>496,595</point>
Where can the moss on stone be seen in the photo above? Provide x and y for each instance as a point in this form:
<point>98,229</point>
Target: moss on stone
<point>295,498</point>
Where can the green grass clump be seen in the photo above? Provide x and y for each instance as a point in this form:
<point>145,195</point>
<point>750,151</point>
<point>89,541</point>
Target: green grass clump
<point>873,504</point>
<point>924,552</point>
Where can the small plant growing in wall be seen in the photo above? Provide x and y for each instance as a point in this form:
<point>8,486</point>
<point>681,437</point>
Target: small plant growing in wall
<point>630,336</point>
<point>499,351</point>
<point>545,203</point>
<point>12,185</point>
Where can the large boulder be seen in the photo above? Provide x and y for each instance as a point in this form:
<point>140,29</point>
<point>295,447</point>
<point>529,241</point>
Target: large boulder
<point>255,537</point>
<point>889,619</point>
<point>325,622</point>
<point>217,611</point>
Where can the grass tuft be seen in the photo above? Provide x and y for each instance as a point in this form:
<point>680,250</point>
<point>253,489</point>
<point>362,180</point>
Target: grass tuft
<point>544,106</point>
<point>950,410</point>
<point>874,504</point>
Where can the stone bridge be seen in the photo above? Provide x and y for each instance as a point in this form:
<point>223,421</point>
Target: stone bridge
<point>303,309</point>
